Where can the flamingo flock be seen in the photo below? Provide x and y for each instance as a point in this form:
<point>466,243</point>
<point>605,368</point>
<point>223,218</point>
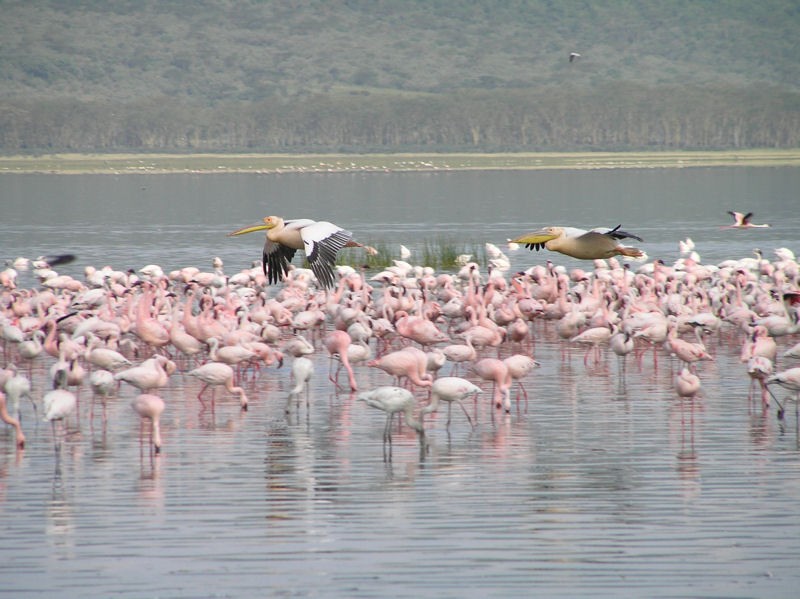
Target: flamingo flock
<point>112,330</point>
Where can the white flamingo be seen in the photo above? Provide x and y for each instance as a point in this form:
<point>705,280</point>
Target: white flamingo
<point>451,389</point>
<point>394,400</point>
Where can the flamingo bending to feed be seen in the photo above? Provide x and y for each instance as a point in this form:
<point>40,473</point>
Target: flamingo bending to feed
<point>393,400</point>
<point>789,380</point>
<point>8,419</point>
<point>495,370</point>
<point>597,244</point>
<point>451,389</point>
<point>519,366</point>
<point>410,363</point>
<point>338,345</point>
<point>302,371</point>
<point>217,373</point>
<point>150,407</point>
<point>320,240</point>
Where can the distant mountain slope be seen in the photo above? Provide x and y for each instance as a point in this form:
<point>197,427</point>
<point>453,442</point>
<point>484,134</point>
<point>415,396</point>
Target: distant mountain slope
<point>216,50</point>
<point>277,75</point>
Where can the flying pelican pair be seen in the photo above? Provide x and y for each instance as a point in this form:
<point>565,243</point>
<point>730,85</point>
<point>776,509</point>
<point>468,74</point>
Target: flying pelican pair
<point>322,240</point>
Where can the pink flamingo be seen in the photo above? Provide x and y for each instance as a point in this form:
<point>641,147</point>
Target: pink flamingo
<point>759,344</point>
<point>495,370</point>
<point>687,352</point>
<point>593,338</point>
<point>405,363</point>
<point>148,328</point>
<point>760,368</point>
<point>214,374</point>
<point>741,220</point>
<point>687,384</point>
<point>460,353</point>
<point>151,374</point>
<point>790,380</point>
<point>103,357</point>
<point>186,343</point>
<point>418,329</point>
<point>8,419</point>
<point>150,407</point>
<point>519,366</point>
<point>338,344</point>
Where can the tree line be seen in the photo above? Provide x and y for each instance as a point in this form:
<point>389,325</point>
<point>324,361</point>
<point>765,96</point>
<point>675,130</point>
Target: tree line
<point>612,117</point>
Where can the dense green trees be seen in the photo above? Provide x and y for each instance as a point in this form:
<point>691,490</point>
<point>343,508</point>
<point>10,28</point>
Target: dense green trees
<point>342,75</point>
<point>610,118</point>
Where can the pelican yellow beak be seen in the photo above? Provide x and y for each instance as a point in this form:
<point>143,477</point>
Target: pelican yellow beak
<point>540,236</point>
<point>251,229</point>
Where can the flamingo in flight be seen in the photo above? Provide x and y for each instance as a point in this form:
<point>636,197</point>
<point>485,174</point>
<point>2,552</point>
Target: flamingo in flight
<point>742,221</point>
<point>320,240</point>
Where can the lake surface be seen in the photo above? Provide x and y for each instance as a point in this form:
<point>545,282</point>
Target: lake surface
<point>605,486</point>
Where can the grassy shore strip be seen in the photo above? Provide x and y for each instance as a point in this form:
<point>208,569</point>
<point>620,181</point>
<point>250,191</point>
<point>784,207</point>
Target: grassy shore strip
<point>338,163</point>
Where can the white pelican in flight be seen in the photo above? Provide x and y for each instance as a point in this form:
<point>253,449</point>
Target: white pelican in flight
<point>320,240</point>
<point>597,244</point>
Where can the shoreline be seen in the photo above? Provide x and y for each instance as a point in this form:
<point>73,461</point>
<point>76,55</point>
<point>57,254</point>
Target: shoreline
<point>270,164</point>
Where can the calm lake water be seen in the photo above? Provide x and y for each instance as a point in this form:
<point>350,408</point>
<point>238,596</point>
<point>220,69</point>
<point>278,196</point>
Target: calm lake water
<point>606,486</point>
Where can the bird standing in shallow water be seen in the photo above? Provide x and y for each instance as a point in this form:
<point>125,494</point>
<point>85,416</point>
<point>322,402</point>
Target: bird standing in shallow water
<point>302,371</point>
<point>597,244</point>
<point>789,380</point>
<point>8,419</point>
<point>213,374</point>
<point>150,407</point>
<point>451,389</point>
<point>320,240</point>
<point>687,384</point>
<point>58,404</point>
<point>393,400</point>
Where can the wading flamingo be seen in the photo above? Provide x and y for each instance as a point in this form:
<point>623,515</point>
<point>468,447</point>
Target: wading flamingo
<point>302,371</point>
<point>451,389</point>
<point>394,400</point>
<point>214,374</point>
<point>8,419</point>
<point>150,407</point>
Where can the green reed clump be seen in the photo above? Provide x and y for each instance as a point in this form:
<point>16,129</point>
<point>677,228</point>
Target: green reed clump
<point>441,253</point>
<point>357,257</point>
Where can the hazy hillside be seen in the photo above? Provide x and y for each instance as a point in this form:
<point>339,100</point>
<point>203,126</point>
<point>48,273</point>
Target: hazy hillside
<point>139,67</point>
